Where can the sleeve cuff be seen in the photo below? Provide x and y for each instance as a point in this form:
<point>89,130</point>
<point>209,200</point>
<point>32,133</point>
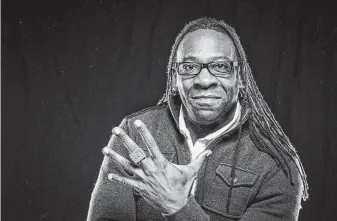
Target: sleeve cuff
<point>191,211</point>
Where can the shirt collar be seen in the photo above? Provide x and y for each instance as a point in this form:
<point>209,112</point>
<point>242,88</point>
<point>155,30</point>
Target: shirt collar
<point>225,129</point>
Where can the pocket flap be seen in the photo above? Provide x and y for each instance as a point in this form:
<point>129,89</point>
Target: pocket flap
<point>242,177</point>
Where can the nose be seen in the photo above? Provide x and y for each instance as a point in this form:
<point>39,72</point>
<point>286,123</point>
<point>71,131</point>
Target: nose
<point>205,79</point>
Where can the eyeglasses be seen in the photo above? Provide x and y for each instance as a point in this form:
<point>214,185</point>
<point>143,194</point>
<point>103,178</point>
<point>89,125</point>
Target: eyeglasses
<point>218,69</point>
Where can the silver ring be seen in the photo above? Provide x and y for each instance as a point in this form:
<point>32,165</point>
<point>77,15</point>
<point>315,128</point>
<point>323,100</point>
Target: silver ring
<point>137,155</point>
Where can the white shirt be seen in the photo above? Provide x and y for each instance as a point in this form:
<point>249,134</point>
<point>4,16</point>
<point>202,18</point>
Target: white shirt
<point>201,144</point>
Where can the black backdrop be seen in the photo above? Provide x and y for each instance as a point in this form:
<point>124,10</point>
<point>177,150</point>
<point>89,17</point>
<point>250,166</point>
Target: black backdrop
<point>71,70</point>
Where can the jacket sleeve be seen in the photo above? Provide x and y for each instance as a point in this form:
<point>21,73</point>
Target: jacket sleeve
<point>111,200</point>
<point>277,198</point>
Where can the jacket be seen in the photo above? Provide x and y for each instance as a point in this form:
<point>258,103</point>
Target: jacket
<point>260,191</point>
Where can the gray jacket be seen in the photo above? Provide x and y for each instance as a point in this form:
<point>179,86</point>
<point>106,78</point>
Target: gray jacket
<point>260,191</point>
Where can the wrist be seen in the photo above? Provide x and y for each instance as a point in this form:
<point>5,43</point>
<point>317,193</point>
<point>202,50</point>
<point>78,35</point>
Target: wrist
<point>171,209</point>
<point>191,211</point>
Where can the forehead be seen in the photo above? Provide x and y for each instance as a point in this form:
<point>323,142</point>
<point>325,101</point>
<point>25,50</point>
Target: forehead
<point>205,45</point>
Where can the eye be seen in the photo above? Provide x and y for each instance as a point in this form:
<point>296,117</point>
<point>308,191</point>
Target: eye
<point>222,67</point>
<point>189,67</point>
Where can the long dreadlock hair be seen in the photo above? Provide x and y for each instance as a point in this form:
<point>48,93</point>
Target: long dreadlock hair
<point>262,120</point>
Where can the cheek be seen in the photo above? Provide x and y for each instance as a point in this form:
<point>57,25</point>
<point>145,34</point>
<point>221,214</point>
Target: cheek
<point>230,86</point>
<point>229,82</point>
<point>184,85</point>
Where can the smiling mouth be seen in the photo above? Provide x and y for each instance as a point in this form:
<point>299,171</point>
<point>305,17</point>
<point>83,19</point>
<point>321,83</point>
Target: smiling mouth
<point>206,97</point>
<point>205,101</point>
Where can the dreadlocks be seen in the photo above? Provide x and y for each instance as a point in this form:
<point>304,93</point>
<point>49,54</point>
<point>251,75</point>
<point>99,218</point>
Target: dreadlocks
<point>262,120</point>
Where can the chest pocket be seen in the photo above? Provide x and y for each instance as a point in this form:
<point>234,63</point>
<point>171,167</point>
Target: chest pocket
<point>215,198</point>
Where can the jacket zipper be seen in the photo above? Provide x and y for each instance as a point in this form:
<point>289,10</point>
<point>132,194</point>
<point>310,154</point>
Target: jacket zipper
<point>200,191</point>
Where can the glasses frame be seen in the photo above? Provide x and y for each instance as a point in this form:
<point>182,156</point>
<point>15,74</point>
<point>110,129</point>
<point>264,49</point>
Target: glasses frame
<point>206,65</point>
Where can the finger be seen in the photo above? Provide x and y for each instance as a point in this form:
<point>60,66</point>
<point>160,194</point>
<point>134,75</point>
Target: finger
<point>199,160</point>
<point>122,161</point>
<point>111,141</point>
<point>149,140</point>
<point>133,148</point>
<point>135,184</point>
<point>127,141</point>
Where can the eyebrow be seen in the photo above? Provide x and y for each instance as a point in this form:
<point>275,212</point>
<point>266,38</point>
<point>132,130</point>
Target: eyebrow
<point>193,58</point>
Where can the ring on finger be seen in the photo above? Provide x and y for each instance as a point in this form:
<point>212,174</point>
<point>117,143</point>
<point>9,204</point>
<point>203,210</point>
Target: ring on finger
<point>137,155</point>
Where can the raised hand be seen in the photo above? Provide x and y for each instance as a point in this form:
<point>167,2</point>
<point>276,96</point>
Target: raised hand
<point>163,185</point>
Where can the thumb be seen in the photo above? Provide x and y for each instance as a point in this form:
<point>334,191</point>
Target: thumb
<point>199,160</point>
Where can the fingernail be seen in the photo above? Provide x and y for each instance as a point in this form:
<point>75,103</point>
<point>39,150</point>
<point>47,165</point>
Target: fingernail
<point>138,123</point>
<point>116,131</point>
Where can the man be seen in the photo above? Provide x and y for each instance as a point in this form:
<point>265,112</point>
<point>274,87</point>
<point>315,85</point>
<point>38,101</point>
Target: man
<point>210,150</point>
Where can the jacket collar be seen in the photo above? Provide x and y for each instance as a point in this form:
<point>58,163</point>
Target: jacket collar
<point>174,103</point>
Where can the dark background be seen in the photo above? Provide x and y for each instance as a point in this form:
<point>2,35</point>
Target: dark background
<point>71,70</point>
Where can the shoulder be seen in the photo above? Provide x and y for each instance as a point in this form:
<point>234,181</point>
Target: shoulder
<point>261,155</point>
<point>149,111</point>
<point>252,154</point>
<point>264,162</point>
<point>150,116</point>
<point>158,120</point>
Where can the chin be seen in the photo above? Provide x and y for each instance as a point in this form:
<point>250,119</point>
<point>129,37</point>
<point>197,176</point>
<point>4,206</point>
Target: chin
<point>205,117</point>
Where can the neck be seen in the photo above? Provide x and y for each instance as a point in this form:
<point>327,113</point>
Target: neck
<point>198,131</point>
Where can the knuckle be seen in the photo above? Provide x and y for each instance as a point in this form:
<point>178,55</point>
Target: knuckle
<point>156,171</point>
<point>109,153</point>
<point>147,171</point>
<point>125,163</point>
<point>123,181</point>
<point>141,128</point>
<point>140,186</point>
<point>128,165</point>
<point>151,142</point>
<point>150,171</point>
<point>150,168</point>
<point>113,154</point>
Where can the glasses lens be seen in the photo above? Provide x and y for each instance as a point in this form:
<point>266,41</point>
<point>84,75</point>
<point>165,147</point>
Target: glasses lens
<point>223,67</point>
<point>189,68</point>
